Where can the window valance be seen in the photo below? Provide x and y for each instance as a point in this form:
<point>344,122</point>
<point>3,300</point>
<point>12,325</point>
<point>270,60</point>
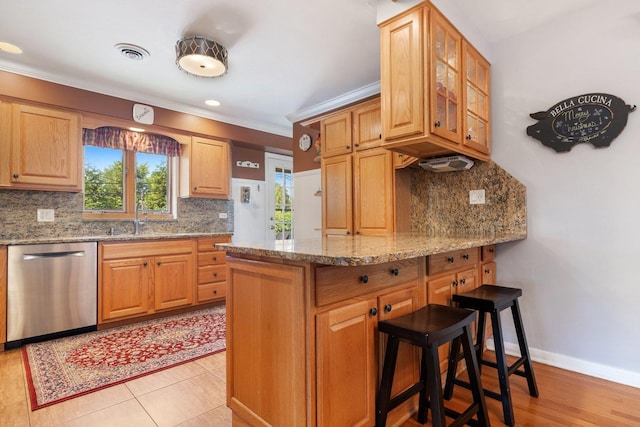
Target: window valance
<point>123,139</point>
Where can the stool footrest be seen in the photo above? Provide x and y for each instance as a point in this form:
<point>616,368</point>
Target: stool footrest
<point>464,418</point>
<point>487,393</point>
<point>513,369</point>
<point>411,391</point>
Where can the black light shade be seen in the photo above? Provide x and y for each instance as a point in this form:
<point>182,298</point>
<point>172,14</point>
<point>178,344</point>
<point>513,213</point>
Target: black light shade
<point>201,57</point>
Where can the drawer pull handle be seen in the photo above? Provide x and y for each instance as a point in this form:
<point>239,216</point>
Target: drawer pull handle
<point>451,260</point>
<point>215,292</point>
<point>373,311</point>
<point>437,124</point>
<point>395,271</point>
<point>364,279</point>
<point>465,256</point>
<point>144,264</point>
<point>158,262</point>
<point>387,308</point>
<point>215,274</point>
<point>455,283</point>
<point>463,281</point>
<point>491,250</point>
<point>487,271</point>
<point>215,258</point>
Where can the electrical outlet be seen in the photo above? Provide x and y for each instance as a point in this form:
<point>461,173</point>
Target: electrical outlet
<point>46,215</point>
<point>476,197</point>
<point>222,215</point>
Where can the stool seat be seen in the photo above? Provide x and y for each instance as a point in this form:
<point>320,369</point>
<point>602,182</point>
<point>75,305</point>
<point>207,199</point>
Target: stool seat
<point>488,298</point>
<point>491,299</point>
<point>428,328</point>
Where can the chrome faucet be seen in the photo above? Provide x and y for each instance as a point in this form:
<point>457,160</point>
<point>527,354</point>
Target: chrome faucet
<point>140,206</point>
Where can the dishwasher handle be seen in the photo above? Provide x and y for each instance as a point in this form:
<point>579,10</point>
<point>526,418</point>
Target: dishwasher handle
<point>46,255</point>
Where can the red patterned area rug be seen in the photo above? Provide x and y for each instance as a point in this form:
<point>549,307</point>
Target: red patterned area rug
<point>65,368</point>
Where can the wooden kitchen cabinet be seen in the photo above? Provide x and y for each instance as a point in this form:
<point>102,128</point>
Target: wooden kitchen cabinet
<point>139,278</point>
<point>3,295</point>
<point>205,169</point>
<point>448,274</point>
<point>212,284</point>
<point>357,186</point>
<point>476,98</point>
<point>348,365</point>
<point>423,84</point>
<point>335,131</point>
<point>41,148</point>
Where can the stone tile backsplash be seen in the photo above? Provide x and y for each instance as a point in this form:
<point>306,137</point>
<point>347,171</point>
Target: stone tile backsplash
<point>18,217</point>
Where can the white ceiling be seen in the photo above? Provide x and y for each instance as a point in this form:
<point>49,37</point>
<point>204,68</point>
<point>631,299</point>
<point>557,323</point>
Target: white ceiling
<point>284,55</point>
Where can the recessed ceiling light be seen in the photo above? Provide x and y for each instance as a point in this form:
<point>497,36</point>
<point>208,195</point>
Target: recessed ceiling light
<point>212,103</point>
<point>9,48</point>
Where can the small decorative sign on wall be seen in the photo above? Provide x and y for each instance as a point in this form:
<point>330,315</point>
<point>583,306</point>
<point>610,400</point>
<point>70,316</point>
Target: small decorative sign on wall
<point>597,118</point>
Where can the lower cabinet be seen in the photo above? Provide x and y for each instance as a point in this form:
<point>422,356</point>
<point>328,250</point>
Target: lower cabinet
<point>349,352</point>
<point>212,284</point>
<point>3,295</point>
<point>138,278</point>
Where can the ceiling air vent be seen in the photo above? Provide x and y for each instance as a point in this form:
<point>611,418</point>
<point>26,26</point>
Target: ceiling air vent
<point>447,164</point>
<point>132,51</point>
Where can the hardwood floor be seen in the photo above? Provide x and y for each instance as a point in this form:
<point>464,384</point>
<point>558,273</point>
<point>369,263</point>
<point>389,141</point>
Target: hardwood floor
<point>193,395</point>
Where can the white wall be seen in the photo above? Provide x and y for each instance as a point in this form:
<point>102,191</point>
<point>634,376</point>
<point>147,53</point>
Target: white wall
<point>307,206</point>
<point>577,265</point>
<point>249,218</point>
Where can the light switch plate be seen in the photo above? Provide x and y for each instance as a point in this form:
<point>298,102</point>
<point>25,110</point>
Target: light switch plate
<point>476,197</point>
<point>46,215</point>
<point>222,215</point>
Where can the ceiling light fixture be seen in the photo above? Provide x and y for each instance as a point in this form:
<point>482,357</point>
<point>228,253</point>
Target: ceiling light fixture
<point>9,48</point>
<point>212,103</point>
<point>201,57</point>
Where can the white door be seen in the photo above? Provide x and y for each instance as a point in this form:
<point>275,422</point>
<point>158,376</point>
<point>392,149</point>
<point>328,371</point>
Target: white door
<point>279,177</point>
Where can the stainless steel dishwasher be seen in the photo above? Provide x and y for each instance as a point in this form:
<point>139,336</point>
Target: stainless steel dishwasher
<point>51,290</point>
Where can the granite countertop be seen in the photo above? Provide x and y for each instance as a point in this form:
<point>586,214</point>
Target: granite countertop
<point>361,250</point>
<point>107,238</point>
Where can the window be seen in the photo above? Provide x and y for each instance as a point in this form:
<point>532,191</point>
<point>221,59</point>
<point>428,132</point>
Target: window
<point>110,189</point>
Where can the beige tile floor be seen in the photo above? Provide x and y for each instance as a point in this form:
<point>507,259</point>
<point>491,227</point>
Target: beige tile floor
<point>188,395</point>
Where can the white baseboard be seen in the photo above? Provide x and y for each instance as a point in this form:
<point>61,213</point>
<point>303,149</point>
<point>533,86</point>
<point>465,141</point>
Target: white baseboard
<point>573,364</point>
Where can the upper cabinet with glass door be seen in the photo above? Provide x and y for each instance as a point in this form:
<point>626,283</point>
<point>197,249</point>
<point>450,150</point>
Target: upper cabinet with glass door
<point>425,85</point>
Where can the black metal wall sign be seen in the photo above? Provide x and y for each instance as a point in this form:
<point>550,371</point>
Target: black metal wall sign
<point>597,118</point>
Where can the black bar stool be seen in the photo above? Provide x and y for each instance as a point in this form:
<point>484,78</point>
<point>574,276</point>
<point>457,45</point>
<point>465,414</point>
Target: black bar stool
<point>490,299</point>
<point>428,328</point>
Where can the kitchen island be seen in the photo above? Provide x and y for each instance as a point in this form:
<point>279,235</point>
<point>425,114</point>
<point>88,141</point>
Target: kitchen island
<point>302,342</point>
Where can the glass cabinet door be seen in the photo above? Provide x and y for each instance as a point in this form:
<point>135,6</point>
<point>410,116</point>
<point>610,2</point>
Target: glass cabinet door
<point>476,126</point>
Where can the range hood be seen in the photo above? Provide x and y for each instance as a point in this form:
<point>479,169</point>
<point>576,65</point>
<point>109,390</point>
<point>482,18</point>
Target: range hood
<point>446,164</point>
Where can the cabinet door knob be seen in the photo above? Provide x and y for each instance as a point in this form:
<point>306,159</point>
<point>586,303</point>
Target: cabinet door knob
<point>491,250</point>
<point>364,278</point>
<point>373,311</point>
<point>463,281</point>
<point>395,271</point>
<point>465,256</point>
<point>451,260</point>
<point>347,147</point>
<point>348,232</point>
<point>215,292</point>
<point>468,137</point>
<point>16,176</point>
<point>144,264</point>
<point>455,283</point>
<point>387,308</point>
<point>380,136</point>
<point>215,258</point>
<point>355,145</point>
<point>487,271</point>
<point>357,231</point>
<point>158,262</point>
<point>195,188</point>
<point>437,124</point>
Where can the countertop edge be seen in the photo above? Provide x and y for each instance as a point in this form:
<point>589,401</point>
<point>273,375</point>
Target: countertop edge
<point>108,238</point>
<point>395,252</point>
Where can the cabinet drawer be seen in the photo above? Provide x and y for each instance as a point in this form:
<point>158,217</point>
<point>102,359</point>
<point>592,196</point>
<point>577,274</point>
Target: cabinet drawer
<point>209,243</point>
<point>147,248</point>
<point>488,252</point>
<point>211,258</point>
<point>339,283</point>
<point>453,260</point>
<point>212,273</point>
<point>212,291</point>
